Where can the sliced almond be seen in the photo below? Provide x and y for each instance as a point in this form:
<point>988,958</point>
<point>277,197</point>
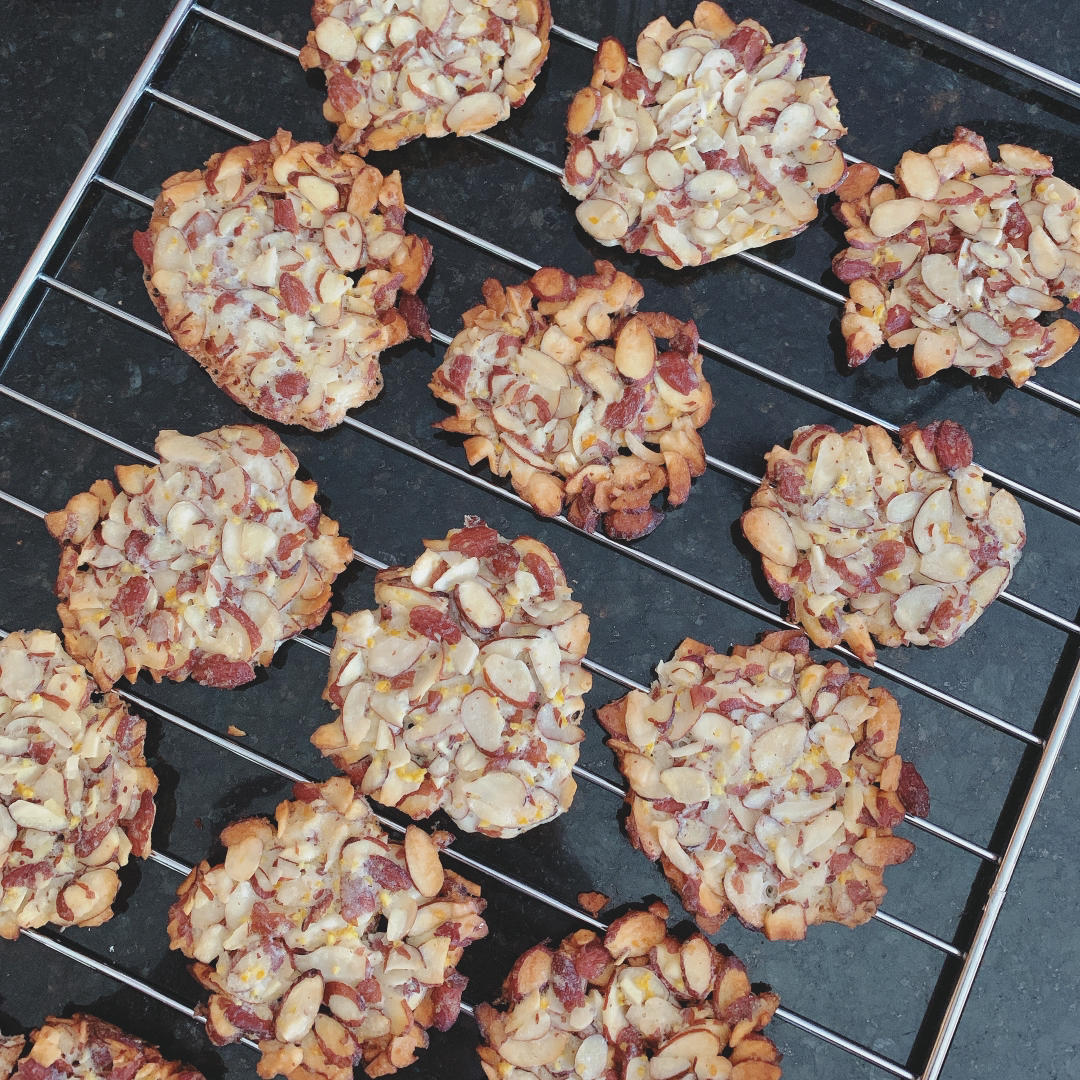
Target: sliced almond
<point>422,860</point>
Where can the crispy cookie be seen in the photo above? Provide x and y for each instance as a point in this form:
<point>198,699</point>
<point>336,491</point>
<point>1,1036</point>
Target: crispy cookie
<point>11,1046</point>
<point>766,786</point>
<point>325,941</point>
<point>463,690</point>
<point>960,258</point>
<point>906,547</point>
<point>561,383</point>
<point>714,145</point>
<point>635,1003</point>
<point>202,565</point>
<point>76,795</point>
<point>399,69</point>
<point>279,268</point>
<point>86,1048</point>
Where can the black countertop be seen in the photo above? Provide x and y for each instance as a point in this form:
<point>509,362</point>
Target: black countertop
<point>66,64</point>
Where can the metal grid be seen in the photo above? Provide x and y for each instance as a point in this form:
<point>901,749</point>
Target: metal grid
<point>23,306</point>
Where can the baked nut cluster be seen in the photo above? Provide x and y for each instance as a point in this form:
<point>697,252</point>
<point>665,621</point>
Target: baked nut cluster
<point>960,258</point>
<point>714,144</point>
<point>284,269</point>
<point>202,565</point>
<point>76,795</point>
<point>562,384</point>
<point>767,786</point>
<point>325,941</point>
<point>11,1046</point>
<point>864,541</point>
<point>398,69</point>
<point>634,1003</point>
<point>463,690</point>
<point>86,1048</point>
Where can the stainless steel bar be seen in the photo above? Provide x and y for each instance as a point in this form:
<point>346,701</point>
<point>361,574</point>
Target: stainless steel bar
<point>786,1015</point>
<point>311,643</point>
<point>631,684</point>
<point>672,571</point>
<point>286,772</point>
<point>919,935</point>
<point>952,838</point>
<point>1036,791</point>
<point>170,863</point>
<point>811,1027</point>
<point>247,31</point>
<point>1000,887</point>
<point>791,276</point>
<point>25,281</point>
<point>977,45</point>
<point>1047,501</point>
<point>119,976</point>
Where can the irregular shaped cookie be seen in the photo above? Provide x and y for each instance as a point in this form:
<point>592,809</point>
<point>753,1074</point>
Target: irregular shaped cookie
<point>862,541</point>
<point>325,941</point>
<point>86,1048</point>
<point>76,795</point>
<point>11,1046</point>
<point>766,786</point>
<point>960,258</point>
<point>561,383</point>
<point>715,145</point>
<point>202,565</point>
<point>635,1003</point>
<point>399,69</point>
<point>284,268</point>
<point>463,690</point>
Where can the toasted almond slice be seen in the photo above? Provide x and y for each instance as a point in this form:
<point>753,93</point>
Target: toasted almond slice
<point>771,535</point>
<point>422,860</point>
<point>635,349</point>
<point>896,215</point>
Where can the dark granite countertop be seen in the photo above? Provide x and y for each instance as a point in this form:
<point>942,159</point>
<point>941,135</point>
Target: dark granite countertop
<point>65,64</point>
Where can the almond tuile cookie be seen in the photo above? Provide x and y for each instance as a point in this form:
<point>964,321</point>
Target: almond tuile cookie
<point>199,566</point>
<point>399,69</point>
<point>325,941</point>
<point>76,795</point>
<point>86,1048</point>
<point>636,1002</point>
<point>285,269</point>
<point>563,384</point>
<point>712,145</point>
<point>868,543</point>
<point>960,258</point>
<point>767,786</point>
<point>11,1046</point>
<point>463,690</point>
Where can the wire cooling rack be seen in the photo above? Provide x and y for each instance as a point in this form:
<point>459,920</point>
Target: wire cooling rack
<point>78,403</point>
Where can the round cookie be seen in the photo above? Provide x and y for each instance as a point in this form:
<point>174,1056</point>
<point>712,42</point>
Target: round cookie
<point>284,269</point>
<point>635,1003</point>
<point>767,786</point>
<point>462,691</point>
<point>76,795</point>
<point>715,144</point>
<point>86,1048</point>
<point>563,384</point>
<point>201,565</point>
<point>325,941</point>
<point>863,541</point>
<point>399,69</point>
<point>960,258</point>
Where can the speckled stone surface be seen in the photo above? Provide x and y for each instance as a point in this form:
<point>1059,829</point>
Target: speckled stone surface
<point>63,71</point>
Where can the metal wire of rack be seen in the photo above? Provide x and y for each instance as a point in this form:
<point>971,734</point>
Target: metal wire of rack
<point>23,305</point>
